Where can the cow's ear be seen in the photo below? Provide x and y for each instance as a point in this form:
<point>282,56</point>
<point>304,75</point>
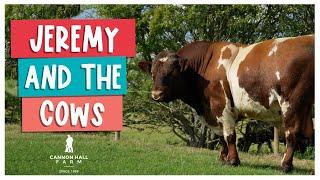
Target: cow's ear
<point>145,66</point>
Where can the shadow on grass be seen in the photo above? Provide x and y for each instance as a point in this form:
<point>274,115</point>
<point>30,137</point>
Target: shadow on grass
<point>296,170</point>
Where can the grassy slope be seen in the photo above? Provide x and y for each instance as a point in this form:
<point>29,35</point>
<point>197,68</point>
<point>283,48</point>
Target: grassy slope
<point>137,152</point>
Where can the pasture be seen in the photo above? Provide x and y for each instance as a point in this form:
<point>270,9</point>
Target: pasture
<point>148,152</point>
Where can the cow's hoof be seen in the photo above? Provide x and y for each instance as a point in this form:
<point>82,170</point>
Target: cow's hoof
<point>234,162</point>
<point>223,158</point>
<point>286,167</point>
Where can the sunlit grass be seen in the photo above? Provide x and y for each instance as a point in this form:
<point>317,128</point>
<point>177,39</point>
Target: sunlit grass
<point>138,152</point>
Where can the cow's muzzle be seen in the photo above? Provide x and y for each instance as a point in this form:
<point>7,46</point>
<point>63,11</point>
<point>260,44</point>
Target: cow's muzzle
<point>157,95</point>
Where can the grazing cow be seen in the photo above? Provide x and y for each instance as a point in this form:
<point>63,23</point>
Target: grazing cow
<point>259,132</point>
<point>256,133</point>
<point>225,82</point>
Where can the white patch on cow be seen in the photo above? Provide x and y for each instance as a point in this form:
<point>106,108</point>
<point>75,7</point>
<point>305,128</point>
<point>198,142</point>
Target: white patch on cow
<point>229,116</point>
<point>164,59</point>
<point>274,49</point>
<point>275,44</point>
<point>287,133</point>
<point>284,107</point>
<point>275,97</point>
<point>283,158</point>
<point>240,96</point>
<point>247,69</point>
<point>278,75</point>
<point>226,62</point>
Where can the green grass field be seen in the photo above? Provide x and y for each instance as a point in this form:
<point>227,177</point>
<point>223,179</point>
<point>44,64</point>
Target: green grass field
<point>137,153</point>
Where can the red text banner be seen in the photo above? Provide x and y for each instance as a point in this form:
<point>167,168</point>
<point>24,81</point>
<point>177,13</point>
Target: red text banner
<point>72,38</point>
<point>92,113</point>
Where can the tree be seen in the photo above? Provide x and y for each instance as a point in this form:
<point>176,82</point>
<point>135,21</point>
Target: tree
<point>162,27</point>
<point>13,108</point>
<point>32,12</point>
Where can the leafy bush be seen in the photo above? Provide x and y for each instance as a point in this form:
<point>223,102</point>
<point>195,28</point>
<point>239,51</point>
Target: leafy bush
<point>12,103</point>
<point>308,154</point>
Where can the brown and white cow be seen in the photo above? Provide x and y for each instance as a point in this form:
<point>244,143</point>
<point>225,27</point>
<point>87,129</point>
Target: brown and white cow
<point>225,82</point>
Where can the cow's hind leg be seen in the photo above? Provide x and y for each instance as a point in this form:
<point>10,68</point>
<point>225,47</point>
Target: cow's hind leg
<point>296,128</point>
<point>259,147</point>
<point>296,103</point>
<point>247,145</point>
<point>270,146</point>
<point>291,142</point>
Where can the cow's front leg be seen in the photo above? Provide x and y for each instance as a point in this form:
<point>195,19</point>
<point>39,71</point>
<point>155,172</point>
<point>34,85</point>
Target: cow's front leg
<point>232,157</point>
<point>222,109</point>
<point>229,134</point>
<point>224,149</point>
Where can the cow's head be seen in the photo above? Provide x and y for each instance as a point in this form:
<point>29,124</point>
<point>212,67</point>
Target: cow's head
<point>166,74</point>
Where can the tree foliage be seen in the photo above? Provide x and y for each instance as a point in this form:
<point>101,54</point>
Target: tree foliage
<point>162,27</point>
<point>17,12</point>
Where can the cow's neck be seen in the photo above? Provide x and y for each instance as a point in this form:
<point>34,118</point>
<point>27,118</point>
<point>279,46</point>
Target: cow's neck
<point>196,65</point>
<point>194,70</point>
<point>194,83</point>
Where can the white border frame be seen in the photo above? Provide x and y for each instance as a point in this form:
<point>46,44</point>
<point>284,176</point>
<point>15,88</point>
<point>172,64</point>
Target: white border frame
<point>2,76</point>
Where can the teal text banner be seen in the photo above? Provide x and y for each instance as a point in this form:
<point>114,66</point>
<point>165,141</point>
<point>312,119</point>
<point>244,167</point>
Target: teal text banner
<point>91,76</point>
